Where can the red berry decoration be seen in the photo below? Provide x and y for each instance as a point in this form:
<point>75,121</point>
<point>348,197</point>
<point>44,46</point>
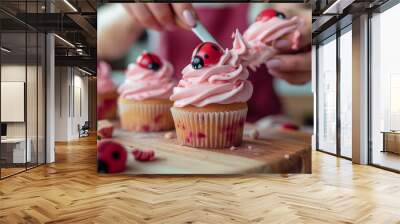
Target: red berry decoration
<point>143,155</point>
<point>111,156</point>
<point>149,61</point>
<point>267,14</point>
<point>290,126</point>
<point>205,54</point>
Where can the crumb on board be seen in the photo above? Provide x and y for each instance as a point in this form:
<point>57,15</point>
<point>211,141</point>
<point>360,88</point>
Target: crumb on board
<point>287,156</point>
<point>143,155</point>
<point>170,135</point>
<point>249,147</point>
<point>233,148</point>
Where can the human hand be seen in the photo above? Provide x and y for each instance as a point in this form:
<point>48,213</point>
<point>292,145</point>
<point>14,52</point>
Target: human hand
<point>162,16</point>
<point>293,66</point>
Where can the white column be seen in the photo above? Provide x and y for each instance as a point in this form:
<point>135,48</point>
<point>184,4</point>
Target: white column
<point>360,90</point>
<point>50,92</point>
<point>314,92</point>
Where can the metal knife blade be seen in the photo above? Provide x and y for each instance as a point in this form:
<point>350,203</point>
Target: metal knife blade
<point>202,33</point>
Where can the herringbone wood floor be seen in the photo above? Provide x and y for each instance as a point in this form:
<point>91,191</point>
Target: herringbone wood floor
<point>70,191</point>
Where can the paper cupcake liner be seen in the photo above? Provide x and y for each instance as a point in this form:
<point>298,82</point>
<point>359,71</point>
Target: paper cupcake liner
<point>137,116</point>
<point>209,129</point>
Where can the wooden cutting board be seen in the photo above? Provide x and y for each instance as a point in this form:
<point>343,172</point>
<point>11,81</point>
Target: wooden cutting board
<point>274,152</point>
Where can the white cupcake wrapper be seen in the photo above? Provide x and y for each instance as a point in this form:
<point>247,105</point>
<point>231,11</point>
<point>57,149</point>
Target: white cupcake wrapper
<point>209,129</point>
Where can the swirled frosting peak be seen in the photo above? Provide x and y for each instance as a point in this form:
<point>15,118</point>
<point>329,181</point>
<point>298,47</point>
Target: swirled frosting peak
<point>222,83</point>
<point>143,83</point>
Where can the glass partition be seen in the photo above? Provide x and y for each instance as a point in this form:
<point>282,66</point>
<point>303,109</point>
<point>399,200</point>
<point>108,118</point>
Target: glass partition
<point>22,77</point>
<point>31,97</point>
<point>346,92</point>
<point>326,140</point>
<point>385,89</point>
<point>14,151</point>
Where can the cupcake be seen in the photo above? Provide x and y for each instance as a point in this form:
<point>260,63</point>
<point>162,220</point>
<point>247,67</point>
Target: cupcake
<point>270,25</point>
<point>106,93</point>
<point>144,103</point>
<point>210,100</point>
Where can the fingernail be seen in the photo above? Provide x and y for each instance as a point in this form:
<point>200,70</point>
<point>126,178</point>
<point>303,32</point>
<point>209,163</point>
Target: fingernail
<point>282,44</point>
<point>189,18</point>
<point>274,63</point>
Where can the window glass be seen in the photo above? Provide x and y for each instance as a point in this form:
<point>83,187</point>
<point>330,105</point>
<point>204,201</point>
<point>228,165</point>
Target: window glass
<point>327,96</point>
<point>345,94</point>
<point>385,89</point>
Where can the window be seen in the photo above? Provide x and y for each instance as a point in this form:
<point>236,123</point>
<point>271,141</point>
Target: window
<point>327,96</point>
<point>346,95</point>
<point>385,89</point>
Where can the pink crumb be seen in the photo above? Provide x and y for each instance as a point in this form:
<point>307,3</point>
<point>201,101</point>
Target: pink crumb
<point>249,147</point>
<point>233,148</point>
<point>143,155</point>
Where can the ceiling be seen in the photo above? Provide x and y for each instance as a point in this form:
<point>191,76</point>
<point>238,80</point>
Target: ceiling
<point>72,20</point>
<point>329,15</point>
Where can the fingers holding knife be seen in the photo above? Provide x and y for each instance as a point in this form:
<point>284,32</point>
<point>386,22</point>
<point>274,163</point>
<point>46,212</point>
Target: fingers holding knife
<point>162,16</point>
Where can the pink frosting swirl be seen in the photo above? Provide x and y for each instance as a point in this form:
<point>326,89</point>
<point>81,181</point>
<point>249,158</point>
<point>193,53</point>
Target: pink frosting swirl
<point>223,83</point>
<point>261,34</point>
<point>142,83</point>
<point>104,81</point>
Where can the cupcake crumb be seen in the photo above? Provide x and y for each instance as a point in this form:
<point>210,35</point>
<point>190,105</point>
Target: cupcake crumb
<point>249,147</point>
<point>143,155</point>
<point>170,135</point>
<point>287,156</point>
<point>233,148</point>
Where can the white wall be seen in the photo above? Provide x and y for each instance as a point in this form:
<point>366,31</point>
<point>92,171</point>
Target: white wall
<point>71,93</point>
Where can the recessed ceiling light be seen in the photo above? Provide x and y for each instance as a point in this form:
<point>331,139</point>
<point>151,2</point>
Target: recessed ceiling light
<point>64,40</point>
<point>5,49</point>
<point>337,7</point>
<point>84,71</point>
<point>70,5</point>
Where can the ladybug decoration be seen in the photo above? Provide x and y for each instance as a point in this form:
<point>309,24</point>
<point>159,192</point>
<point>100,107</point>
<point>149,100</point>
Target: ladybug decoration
<point>267,14</point>
<point>205,54</point>
<point>149,61</point>
<point>111,156</point>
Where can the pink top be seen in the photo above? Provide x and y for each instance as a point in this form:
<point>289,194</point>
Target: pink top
<point>223,83</point>
<point>177,46</point>
<point>143,83</point>
<point>105,83</point>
